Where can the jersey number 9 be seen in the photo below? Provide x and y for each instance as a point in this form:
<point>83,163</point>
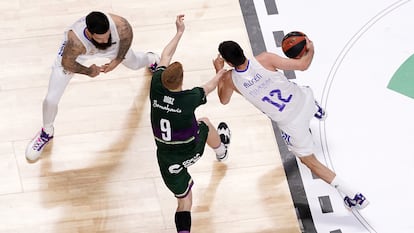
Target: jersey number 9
<point>165,129</point>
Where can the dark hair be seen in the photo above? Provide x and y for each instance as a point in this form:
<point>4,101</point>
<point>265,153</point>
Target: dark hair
<point>172,77</point>
<point>97,22</point>
<point>232,52</point>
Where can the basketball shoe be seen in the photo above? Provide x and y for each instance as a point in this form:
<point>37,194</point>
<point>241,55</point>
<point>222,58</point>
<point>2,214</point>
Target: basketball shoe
<point>321,113</point>
<point>358,202</point>
<point>225,135</point>
<point>154,61</point>
<point>36,146</point>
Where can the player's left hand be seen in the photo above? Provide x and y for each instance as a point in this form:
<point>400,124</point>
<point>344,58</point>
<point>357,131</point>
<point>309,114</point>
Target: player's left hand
<point>110,66</point>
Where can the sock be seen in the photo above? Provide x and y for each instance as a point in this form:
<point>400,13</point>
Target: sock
<point>183,221</point>
<point>49,130</point>
<point>220,150</point>
<point>342,187</point>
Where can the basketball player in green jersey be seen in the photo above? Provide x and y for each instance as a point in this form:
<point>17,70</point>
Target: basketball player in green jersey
<point>179,136</point>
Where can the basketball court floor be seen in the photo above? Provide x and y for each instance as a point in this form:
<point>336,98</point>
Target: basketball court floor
<point>100,173</point>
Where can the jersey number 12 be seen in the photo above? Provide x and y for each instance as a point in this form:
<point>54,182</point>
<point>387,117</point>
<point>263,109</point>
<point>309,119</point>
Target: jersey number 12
<point>280,102</point>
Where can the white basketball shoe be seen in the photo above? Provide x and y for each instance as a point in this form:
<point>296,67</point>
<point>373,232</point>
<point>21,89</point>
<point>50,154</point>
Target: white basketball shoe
<point>35,147</point>
<point>358,202</point>
<point>321,113</point>
<point>154,61</point>
<point>225,135</point>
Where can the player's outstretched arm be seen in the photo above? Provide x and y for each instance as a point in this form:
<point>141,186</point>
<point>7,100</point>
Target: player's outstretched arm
<point>212,84</point>
<point>272,61</point>
<point>170,48</point>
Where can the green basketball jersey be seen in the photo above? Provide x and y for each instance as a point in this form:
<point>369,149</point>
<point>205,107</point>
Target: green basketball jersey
<point>173,121</point>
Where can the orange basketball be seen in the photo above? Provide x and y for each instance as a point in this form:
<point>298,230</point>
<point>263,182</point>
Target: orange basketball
<point>294,44</point>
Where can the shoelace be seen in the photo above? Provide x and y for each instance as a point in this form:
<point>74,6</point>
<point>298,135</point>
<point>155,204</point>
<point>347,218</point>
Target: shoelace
<point>40,142</point>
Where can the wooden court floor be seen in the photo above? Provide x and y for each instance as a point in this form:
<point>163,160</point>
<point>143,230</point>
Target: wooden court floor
<point>100,172</point>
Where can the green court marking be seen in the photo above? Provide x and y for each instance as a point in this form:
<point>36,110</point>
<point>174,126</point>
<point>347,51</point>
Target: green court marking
<point>403,79</point>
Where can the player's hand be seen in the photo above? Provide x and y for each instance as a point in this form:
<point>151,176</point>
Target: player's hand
<point>179,23</point>
<point>110,66</point>
<point>218,63</point>
<point>94,70</point>
<point>309,44</point>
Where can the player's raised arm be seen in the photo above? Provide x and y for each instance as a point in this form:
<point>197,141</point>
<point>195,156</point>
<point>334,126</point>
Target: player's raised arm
<point>170,48</point>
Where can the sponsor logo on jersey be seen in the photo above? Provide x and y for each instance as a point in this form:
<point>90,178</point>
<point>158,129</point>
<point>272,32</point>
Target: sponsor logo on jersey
<point>166,108</point>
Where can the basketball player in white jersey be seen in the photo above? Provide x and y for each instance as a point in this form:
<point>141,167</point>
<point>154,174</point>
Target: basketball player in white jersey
<point>291,106</point>
<point>95,35</point>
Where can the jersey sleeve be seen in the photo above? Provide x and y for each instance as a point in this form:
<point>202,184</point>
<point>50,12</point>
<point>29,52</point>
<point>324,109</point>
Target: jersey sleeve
<point>156,78</point>
<point>158,71</point>
<point>199,92</point>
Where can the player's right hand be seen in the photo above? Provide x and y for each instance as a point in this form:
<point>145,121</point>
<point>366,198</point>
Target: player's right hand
<point>179,23</point>
<point>218,63</point>
<point>94,70</point>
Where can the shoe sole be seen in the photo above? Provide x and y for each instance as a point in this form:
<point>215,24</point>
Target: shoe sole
<point>222,126</point>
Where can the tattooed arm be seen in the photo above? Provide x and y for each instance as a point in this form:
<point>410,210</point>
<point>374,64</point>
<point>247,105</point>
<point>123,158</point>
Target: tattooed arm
<point>72,50</point>
<point>125,36</point>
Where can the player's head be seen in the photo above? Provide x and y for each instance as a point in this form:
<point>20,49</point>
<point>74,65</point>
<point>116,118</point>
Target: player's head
<point>232,53</point>
<point>172,77</point>
<point>98,25</point>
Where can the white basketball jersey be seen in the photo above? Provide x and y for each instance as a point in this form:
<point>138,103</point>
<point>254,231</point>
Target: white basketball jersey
<point>270,91</point>
<point>79,28</point>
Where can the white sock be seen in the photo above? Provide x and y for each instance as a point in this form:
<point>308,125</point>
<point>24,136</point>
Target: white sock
<point>220,150</point>
<point>49,130</point>
<point>342,187</point>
